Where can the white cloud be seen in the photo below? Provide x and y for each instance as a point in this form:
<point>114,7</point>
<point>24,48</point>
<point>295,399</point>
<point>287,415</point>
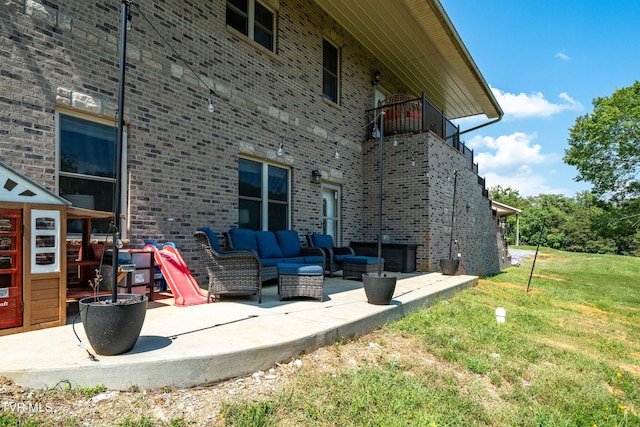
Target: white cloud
<point>533,105</point>
<point>515,161</point>
<point>563,56</point>
<point>506,152</point>
<point>526,181</point>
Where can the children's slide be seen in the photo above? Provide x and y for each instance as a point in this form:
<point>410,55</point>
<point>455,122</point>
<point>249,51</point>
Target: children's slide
<point>182,284</point>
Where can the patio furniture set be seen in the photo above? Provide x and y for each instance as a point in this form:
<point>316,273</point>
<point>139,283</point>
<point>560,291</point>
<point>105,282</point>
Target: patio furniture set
<point>260,256</point>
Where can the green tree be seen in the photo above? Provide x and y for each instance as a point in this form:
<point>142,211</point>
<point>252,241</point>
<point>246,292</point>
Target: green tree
<point>511,197</point>
<point>604,145</point>
<point>506,195</point>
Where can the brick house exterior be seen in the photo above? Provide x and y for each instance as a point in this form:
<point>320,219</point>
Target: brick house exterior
<point>61,57</point>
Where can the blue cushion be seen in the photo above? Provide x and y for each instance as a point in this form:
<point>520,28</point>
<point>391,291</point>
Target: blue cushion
<point>314,259</point>
<point>300,269</point>
<point>241,238</point>
<point>289,242</point>
<point>268,245</point>
<point>322,240</point>
<point>366,260</point>
<point>295,260</point>
<point>213,239</point>
<point>340,257</point>
<point>268,262</point>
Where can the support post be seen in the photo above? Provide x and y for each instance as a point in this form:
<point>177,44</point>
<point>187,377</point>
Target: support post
<point>380,194</point>
<point>118,149</point>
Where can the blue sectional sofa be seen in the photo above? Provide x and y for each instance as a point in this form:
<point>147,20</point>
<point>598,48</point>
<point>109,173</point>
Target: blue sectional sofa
<point>274,248</point>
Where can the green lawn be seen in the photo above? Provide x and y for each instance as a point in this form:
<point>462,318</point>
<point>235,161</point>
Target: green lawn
<point>568,354</point>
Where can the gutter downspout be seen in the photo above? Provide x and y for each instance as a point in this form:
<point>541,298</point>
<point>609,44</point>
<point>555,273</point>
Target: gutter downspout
<point>483,125</point>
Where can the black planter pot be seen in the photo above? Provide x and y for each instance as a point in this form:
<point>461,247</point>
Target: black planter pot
<point>379,289</point>
<point>449,267</point>
<point>113,328</point>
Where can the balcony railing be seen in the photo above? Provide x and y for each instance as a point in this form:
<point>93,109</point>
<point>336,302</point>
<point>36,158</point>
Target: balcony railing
<point>417,115</point>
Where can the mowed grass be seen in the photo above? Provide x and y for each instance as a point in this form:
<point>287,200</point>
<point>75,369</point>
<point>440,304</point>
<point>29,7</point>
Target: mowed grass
<point>568,354</point>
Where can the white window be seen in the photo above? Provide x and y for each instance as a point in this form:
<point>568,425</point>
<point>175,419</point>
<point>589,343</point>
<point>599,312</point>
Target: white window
<point>254,20</point>
<point>86,166</point>
<point>45,241</point>
<point>263,196</point>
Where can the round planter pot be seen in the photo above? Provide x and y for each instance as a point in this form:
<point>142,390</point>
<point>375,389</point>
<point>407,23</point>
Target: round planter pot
<point>449,267</point>
<point>379,289</point>
<point>113,328</point>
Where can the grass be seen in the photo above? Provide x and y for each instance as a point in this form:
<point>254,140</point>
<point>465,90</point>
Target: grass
<point>567,355</point>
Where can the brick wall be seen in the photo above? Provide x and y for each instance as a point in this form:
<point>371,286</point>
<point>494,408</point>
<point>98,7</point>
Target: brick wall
<point>418,203</point>
<point>181,159</point>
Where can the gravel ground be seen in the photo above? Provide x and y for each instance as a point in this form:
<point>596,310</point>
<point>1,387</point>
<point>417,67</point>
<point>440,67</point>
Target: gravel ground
<point>199,406</point>
<point>522,253</point>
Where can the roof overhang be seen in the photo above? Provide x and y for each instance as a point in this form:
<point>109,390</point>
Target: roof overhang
<point>416,41</point>
<point>504,210</point>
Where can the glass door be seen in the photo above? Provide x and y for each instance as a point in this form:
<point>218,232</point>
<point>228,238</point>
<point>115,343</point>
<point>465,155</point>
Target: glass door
<point>10,268</point>
<point>331,212</point>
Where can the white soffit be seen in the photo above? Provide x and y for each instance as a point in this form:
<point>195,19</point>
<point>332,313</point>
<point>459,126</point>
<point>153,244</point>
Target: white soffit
<point>417,41</point>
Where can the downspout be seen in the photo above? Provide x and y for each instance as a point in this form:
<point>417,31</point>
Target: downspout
<point>484,124</point>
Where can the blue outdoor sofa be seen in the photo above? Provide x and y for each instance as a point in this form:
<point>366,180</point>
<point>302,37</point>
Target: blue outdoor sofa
<point>273,248</point>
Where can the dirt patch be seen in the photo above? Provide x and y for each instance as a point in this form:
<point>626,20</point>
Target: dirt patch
<point>542,276</point>
<point>632,369</point>
<point>591,311</point>
<point>513,286</point>
<point>203,405</point>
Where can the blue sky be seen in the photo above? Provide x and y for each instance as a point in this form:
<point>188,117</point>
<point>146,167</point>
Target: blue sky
<point>545,61</point>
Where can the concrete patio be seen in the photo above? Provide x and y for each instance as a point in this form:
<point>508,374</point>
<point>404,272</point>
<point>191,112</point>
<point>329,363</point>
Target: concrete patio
<point>188,346</point>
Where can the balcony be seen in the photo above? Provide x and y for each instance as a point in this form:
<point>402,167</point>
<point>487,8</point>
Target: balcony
<point>404,114</point>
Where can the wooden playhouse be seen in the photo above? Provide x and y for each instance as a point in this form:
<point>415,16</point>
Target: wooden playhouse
<point>32,255</point>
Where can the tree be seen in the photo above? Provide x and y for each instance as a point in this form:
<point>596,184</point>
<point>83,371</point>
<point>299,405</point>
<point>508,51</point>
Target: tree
<point>603,145</point>
<point>510,197</point>
<point>506,195</point>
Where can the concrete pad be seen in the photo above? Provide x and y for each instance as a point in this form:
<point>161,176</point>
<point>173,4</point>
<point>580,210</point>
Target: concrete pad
<point>207,343</point>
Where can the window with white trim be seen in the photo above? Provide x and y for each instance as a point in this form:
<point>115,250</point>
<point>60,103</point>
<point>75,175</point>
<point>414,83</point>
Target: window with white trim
<point>86,166</point>
<point>254,20</point>
<point>330,71</point>
<point>263,196</point>
<point>45,241</point>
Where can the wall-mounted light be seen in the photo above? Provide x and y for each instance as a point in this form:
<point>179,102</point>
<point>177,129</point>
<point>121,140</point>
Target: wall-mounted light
<point>316,176</point>
<point>376,78</point>
<point>376,132</point>
<point>280,149</point>
<point>210,106</point>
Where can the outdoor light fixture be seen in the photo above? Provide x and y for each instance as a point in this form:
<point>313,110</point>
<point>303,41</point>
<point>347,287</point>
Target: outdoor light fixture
<point>376,131</point>
<point>376,78</point>
<point>210,105</point>
<point>280,149</point>
<point>395,140</point>
<point>316,175</point>
<point>336,154</point>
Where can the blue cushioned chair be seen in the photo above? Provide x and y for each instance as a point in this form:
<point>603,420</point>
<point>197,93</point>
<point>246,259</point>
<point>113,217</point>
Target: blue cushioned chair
<point>333,256</point>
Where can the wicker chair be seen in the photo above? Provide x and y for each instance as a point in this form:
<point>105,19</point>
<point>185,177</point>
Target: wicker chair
<point>333,256</point>
<point>231,273</point>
